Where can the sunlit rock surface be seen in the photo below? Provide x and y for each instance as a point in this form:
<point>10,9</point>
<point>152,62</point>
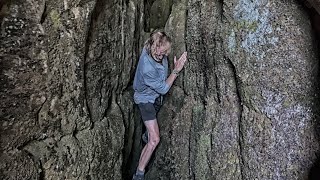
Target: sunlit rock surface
<point>245,107</point>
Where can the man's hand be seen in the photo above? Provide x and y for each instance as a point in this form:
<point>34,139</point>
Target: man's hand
<point>178,64</point>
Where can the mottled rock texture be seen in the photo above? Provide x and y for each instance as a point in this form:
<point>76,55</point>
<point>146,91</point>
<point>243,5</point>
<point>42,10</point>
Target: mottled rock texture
<point>66,109</point>
<point>246,105</point>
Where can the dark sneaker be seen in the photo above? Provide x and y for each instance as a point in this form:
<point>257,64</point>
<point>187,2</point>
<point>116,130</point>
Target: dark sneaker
<point>138,177</point>
<point>145,137</point>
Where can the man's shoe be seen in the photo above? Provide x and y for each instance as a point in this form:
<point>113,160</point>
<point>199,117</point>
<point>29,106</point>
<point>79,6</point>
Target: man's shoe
<point>145,137</point>
<point>138,177</point>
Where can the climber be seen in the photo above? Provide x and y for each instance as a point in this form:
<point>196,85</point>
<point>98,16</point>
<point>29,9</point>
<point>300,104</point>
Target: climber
<point>150,84</point>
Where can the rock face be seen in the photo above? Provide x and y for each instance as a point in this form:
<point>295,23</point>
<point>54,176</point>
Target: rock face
<point>66,107</point>
<point>245,107</point>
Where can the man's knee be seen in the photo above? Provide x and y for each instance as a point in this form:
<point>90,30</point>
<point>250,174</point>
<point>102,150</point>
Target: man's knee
<point>153,142</point>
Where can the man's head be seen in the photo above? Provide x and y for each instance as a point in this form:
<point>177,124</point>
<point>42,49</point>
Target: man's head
<point>158,45</point>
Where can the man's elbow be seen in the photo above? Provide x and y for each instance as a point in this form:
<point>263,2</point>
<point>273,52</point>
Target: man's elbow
<point>163,90</point>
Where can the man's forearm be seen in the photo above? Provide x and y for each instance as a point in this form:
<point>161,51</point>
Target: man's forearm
<point>171,79</point>
<point>178,65</point>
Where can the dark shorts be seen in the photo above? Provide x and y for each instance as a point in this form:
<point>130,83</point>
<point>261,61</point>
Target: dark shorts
<point>149,111</point>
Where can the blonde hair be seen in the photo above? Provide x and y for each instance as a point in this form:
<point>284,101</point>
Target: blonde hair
<point>158,38</point>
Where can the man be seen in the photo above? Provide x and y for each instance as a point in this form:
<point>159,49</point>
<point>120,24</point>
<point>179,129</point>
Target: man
<point>150,83</point>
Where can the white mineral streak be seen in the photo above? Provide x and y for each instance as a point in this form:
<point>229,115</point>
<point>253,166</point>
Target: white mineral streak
<point>255,13</point>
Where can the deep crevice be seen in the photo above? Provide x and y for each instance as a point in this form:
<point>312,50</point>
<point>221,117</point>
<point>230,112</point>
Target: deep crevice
<point>240,105</point>
<point>147,9</point>
<point>203,56</point>
<point>147,14</point>
<point>24,144</point>
<point>42,172</point>
<point>4,9</point>
<point>220,13</point>
<point>126,137</point>
<point>135,49</point>
<point>108,108</point>
<point>190,155</point>
<point>129,164</point>
<point>220,9</point>
<point>38,112</point>
<point>44,13</point>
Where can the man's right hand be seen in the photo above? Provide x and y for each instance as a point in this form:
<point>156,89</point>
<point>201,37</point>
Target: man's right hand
<point>178,64</point>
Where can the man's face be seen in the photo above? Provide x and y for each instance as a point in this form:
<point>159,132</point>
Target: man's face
<point>161,51</point>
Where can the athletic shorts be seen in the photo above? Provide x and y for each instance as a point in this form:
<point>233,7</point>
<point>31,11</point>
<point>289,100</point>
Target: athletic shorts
<point>149,111</point>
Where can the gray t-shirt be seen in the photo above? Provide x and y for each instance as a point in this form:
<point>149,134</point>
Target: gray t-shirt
<point>150,79</point>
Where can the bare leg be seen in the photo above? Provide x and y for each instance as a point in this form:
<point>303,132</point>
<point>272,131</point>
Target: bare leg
<point>154,138</point>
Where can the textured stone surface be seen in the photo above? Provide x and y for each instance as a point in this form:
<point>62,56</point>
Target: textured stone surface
<point>276,65</point>
<point>245,109</point>
<point>66,105</point>
<point>245,106</point>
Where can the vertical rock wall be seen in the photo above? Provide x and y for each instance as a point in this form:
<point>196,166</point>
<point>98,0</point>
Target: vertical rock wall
<point>276,63</point>
<point>245,106</point>
<point>66,109</point>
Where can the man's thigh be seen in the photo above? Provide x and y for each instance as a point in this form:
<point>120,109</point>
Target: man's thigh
<point>152,127</point>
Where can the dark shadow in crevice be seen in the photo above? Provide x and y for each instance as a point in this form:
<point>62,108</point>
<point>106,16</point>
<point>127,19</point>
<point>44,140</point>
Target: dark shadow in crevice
<point>161,14</point>
<point>4,9</point>
<point>147,9</point>
<point>44,13</point>
<point>133,160</point>
<point>314,172</point>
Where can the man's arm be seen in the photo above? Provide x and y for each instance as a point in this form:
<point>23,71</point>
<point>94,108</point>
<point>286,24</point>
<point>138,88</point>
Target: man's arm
<point>152,80</point>
<point>171,79</point>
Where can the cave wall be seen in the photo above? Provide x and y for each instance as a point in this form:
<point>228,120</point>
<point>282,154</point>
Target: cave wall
<point>245,106</point>
<point>65,70</point>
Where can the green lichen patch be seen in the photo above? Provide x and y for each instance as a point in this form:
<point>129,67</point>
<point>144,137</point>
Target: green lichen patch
<point>55,18</point>
<point>250,26</point>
